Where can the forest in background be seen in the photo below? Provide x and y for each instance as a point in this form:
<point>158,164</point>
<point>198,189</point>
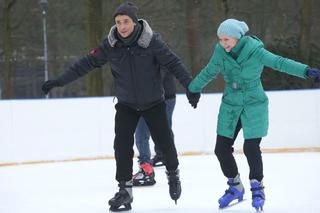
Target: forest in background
<point>288,28</point>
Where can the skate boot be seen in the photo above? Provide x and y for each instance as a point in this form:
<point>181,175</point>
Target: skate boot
<point>235,192</point>
<point>157,160</point>
<point>258,196</point>
<point>122,200</point>
<point>174,184</point>
<point>145,176</point>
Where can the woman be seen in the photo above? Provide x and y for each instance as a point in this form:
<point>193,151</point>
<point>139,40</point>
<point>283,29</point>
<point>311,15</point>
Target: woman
<point>241,59</point>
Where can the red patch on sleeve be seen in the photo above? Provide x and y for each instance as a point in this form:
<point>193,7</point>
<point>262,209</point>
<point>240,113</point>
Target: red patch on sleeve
<point>94,51</point>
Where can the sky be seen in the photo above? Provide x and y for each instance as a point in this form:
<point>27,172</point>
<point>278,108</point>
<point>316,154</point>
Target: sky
<point>291,185</point>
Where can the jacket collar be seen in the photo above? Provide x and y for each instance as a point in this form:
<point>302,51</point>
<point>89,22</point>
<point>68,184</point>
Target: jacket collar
<point>143,41</point>
<point>248,45</point>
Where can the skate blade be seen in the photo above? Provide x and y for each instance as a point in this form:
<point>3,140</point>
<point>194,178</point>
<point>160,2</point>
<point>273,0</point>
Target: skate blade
<point>233,204</point>
<point>158,164</point>
<point>121,208</point>
<point>259,209</point>
<point>139,184</point>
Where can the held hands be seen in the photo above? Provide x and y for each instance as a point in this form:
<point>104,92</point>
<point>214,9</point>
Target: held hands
<point>48,85</point>
<point>313,73</point>
<point>193,98</point>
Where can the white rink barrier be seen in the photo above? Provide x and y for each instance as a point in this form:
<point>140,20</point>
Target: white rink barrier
<point>83,128</point>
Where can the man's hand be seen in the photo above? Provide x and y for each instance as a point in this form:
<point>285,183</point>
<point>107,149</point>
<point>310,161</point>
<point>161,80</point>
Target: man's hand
<point>48,85</point>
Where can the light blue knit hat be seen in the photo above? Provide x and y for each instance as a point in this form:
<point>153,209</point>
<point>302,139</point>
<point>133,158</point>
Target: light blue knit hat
<point>233,28</point>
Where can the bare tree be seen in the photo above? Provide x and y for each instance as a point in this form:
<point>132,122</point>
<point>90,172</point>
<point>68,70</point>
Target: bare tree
<point>194,33</point>
<point>7,42</point>
<point>306,17</point>
<point>94,82</point>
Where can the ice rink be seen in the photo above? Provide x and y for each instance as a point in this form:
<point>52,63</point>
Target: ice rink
<point>291,181</point>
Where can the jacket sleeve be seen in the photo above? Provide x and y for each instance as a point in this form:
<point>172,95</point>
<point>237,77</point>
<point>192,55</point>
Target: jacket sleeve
<point>171,61</point>
<point>281,64</point>
<point>207,74</point>
<point>96,58</point>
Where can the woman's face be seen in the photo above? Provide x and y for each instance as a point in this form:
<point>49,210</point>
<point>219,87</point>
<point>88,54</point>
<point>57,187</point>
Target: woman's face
<point>227,42</point>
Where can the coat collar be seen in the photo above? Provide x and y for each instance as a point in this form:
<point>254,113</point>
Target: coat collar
<point>247,45</point>
<point>250,44</point>
<point>144,39</point>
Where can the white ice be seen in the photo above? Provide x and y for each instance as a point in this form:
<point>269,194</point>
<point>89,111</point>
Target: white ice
<point>291,185</point>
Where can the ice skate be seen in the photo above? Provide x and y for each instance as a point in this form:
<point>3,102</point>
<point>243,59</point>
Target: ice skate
<point>174,184</point>
<point>145,176</point>
<point>234,192</point>
<point>122,200</point>
<point>258,196</point>
<point>157,160</point>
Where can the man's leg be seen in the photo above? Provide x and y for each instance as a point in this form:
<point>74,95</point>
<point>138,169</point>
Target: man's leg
<point>161,133</point>
<point>125,124</point>
<point>170,104</point>
<point>126,120</point>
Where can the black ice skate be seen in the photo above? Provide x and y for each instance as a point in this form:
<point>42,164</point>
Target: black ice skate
<point>122,200</point>
<point>145,176</point>
<point>157,160</point>
<point>174,184</point>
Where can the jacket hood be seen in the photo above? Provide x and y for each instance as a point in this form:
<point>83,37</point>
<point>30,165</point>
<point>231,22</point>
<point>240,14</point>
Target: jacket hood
<point>144,39</point>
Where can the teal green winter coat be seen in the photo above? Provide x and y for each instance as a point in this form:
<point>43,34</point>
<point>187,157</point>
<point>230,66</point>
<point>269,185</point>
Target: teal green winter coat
<point>243,95</point>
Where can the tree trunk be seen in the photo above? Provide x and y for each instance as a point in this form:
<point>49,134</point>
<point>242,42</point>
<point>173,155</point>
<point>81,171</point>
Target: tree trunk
<point>305,30</point>
<point>94,82</point>
<point>7,92</point>
<point>194,33</point>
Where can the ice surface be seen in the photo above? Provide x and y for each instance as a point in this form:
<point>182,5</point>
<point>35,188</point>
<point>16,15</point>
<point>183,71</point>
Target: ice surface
<point>291,181</point>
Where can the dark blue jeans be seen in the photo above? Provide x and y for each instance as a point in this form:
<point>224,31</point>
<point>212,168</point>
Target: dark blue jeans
<point>142,134</point>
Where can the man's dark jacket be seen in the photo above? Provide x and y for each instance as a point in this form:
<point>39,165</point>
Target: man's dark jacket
<point>135,68</point>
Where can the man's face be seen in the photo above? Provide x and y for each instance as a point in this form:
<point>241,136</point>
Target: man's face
<point>125,25</point>
<point>227,42</point>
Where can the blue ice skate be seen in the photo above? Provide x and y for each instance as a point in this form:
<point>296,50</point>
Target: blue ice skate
<point>235,192</point>
<point>258,196</point>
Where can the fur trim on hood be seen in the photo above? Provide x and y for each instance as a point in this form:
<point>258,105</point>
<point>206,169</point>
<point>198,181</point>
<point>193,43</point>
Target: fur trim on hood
<point>143,41</point>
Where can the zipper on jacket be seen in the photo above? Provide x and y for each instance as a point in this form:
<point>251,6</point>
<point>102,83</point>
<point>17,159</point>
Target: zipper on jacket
<point>134,83</point>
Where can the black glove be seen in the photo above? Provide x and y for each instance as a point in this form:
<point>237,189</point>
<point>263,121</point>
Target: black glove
<point>193,98</point>
<point>48,85</point>
<point>313,73</point>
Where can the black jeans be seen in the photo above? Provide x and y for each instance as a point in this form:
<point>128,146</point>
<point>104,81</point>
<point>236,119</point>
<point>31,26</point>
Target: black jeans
<point>126,120</point>
<point>251,149</point>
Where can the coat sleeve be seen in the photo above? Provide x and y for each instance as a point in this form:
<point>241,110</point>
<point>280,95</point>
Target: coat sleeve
<point>281,64</point>
<point>171,61</point>
<point>96,58</point>
<point>207,74</point>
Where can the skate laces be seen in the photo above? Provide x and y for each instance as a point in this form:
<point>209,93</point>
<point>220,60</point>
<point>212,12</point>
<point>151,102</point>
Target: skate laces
<point>147,168</point>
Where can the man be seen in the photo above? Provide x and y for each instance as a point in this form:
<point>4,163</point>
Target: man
<point>135,54</point>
